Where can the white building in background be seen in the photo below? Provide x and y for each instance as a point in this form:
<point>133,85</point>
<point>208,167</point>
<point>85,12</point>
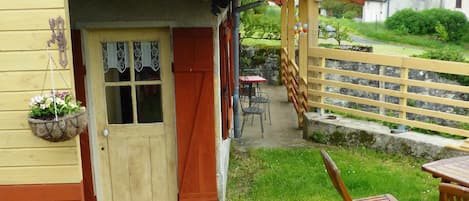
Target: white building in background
<point>379,10</point>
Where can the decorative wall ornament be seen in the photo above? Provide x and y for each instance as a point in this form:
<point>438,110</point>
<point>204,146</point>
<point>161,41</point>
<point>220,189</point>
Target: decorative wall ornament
<point>57,26</point>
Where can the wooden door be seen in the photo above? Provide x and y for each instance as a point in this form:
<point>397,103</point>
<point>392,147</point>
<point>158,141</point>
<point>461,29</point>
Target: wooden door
<point>195,108</point>
<point>133,109</point>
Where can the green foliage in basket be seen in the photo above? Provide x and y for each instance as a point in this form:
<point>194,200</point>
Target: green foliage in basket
<point>47,106</point>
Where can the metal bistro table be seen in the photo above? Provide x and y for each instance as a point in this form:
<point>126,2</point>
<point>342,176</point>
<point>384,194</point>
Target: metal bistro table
<point>251,79</point>
<point>450,170</point>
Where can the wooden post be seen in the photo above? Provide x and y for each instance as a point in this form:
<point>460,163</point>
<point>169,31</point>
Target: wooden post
<point>382,85</point>
<point>284,38</point>
<point>313,22</point>
<point>290,45</point>
<point>303,60</point>
<point>403,99</point>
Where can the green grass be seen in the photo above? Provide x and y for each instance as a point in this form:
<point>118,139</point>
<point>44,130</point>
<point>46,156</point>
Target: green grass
<point>379,32</point>
<point>299,175</point>
<point>260,42</point>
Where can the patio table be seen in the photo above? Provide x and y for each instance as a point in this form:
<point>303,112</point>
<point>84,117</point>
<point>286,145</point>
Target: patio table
<point>450,170</point>
<point>251,79</point>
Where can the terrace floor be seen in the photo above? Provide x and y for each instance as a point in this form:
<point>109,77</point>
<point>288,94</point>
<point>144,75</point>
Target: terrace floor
<point>283,132</point>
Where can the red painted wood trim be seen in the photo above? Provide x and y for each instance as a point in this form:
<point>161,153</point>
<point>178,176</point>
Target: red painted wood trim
<point>46,192</point>
<point>195,115</point>
<point>79,71</point>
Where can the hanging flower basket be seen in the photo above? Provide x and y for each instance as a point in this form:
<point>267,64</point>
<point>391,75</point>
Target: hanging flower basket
<point>62,129</point>
<point>57,117</point>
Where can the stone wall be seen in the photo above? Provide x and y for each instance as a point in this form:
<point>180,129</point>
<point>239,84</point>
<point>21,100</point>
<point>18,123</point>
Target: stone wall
<point>264,61</point>
<point>353,133</point>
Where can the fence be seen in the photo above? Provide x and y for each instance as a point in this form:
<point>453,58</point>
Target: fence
<point>296,85</point>
<point>326,93</point>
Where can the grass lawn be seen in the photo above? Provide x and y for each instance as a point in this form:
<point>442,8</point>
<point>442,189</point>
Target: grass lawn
<point>299,175</point>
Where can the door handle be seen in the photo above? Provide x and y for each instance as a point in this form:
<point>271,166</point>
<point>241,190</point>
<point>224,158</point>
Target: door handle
<point>105,132</point>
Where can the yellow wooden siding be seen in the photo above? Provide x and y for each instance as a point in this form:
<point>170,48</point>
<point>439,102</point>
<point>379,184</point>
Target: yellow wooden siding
<point>28,19</point>
<point>24,31</point>
<point>25,40</point>
<point>36,60</point>
<point>31,4</point>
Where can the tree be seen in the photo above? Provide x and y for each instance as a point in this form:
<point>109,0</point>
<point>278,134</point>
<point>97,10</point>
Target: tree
<point>340,33</point>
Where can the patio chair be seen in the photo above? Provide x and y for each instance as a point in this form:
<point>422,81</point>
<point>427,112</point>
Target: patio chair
<point>264,99</point>
<point>252,110</point>
<point>452,192</point>
<point>334,174</point>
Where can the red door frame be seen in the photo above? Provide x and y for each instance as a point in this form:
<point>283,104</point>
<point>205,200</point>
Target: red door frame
<point>79,71</point>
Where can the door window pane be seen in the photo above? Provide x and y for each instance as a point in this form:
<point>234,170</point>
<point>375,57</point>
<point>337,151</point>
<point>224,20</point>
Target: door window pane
<point>119,104</point>
<point>116,61</point>
<point>147,60</point>
<point>149,104</point>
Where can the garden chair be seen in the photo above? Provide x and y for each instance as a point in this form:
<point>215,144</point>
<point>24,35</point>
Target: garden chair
<point>252,110</point>
<point>334,174</point>
<point>452,192</point>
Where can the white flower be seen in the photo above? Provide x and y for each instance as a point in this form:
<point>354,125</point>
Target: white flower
<point>36,100</point>
<point>59,101</point>
<point>43,106</point>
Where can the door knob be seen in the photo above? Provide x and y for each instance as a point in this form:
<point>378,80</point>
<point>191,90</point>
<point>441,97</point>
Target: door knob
<point>106,132</point>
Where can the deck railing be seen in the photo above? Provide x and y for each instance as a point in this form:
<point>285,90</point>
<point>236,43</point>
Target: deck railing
<point>296,85</point>
<point>325,88</point>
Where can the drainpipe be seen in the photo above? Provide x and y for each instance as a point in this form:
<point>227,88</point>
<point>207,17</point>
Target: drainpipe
<point>237,11</point>
<point>387,14</point>
<point>237,128</point>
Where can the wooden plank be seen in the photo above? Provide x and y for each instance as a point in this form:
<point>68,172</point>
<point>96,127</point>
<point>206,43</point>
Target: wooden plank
<point>437,114</point>
<point>31,4</point>
<point>436,66</point>
<point>119,168</point>
<point>417,124</point>
<point>25,139</point>
<point>40,175</point>
<point>159,164</point>
<point>140,169</point>
<point>28,81</point>
<point>17,100</point>
<point>38,157</point>
<point>14,120</point>
<point>29,60</point>
<point>26,40</point>
<point>356,99</point>
<point>368,76</point>
<point>435,85</point>
<point>13,20</point>
<point>396,61</point>
<point>356,87</point>
<point>356,56</point>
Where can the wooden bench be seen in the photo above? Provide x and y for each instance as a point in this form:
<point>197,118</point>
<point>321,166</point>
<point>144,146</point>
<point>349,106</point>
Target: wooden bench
<point>334,174</point>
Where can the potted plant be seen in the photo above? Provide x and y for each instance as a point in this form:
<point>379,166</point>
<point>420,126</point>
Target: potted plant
<point>56,117</point>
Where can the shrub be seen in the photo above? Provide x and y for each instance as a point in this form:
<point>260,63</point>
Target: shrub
<point>408,21</point>
<point>446,54</point>
<point>454,22</point>
<point>441,32</point>
<point>351,14</point>
<point>449,25</point>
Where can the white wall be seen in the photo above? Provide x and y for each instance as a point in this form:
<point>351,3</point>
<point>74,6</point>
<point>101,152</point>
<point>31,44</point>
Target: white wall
<point>374,11</point>
<point>451,4</point>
